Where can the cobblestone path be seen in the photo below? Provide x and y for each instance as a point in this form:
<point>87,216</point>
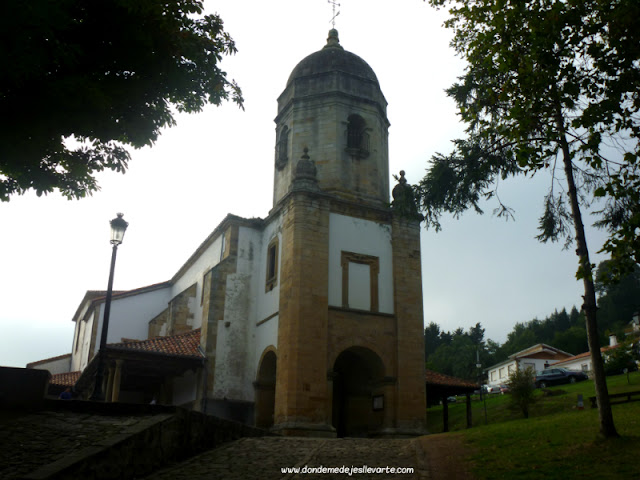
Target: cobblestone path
<point>264,458</point>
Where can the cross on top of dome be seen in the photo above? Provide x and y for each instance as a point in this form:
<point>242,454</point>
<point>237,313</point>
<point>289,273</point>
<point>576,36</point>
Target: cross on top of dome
<point>334,4</point>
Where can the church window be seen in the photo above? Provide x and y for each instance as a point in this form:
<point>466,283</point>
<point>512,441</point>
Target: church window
<point>357,137</point>
<point>360,281</point>
<point>281,148</point>
<point>272,265</point>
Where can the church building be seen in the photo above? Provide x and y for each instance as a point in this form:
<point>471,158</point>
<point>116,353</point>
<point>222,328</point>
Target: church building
<point>309,321</point>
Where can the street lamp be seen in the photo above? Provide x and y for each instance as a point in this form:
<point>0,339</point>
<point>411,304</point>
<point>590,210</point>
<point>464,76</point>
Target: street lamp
<point>118,227</point>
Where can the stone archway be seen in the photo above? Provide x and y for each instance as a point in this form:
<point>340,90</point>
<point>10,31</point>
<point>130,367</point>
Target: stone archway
<point>265,390</point>
<point>358,379</point>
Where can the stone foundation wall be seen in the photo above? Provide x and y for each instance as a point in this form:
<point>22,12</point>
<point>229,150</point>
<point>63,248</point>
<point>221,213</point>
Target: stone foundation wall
<point>181,311</point>
<point>157,325</point>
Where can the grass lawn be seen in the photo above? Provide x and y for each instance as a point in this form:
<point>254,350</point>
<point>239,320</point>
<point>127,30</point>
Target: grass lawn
<point>558,441</point>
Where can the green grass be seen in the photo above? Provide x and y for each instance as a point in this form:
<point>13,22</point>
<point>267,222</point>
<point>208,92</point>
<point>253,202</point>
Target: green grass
<point>558,441</point>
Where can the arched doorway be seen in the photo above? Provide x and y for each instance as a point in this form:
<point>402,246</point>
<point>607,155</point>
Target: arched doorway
<point>265,389</point>
<point>358,375</point>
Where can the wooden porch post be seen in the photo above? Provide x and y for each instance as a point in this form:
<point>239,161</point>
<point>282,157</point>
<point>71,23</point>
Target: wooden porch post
<point>116,381</point>
<point>109,388</point>
<point>469,419</point>
<point>445,412</point>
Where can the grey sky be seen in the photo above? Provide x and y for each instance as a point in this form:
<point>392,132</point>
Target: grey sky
<point>479,269</point>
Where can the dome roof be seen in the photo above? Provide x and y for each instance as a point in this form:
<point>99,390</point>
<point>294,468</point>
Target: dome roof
<point>333,58</point>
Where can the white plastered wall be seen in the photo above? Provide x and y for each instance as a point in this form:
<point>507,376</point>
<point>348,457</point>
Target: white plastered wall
<point>60,365</point>
<point>240,340</point>
<point>195,274</point>
<point>538,364</point>
<point>80,355</point>
<point>266,333</point>
<point>494,373</point>
<point>577,364</point>
<point>363,237</point>
<point>130,315</point>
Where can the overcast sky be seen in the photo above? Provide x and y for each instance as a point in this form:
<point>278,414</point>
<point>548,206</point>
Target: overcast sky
<point>478,269</point>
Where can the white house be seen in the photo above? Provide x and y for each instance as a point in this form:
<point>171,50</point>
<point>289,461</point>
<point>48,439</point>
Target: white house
<point>537,358</point>
<point>582,362</point>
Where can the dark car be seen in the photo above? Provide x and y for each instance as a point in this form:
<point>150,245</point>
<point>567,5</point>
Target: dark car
<point>557,376</point>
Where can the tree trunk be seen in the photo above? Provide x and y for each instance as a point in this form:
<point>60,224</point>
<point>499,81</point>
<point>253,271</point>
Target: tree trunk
<point>607,427</point>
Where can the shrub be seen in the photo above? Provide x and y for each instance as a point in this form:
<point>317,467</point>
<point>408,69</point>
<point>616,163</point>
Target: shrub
<point>521,384</point>
<point>617,359</point>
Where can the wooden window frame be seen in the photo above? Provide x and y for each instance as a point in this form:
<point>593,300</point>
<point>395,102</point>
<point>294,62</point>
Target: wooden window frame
<point>271,279</point>
<point>374,269</point>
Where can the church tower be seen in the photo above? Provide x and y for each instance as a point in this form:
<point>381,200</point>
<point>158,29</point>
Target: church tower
<point>350,356</point>
<point>333,106</point>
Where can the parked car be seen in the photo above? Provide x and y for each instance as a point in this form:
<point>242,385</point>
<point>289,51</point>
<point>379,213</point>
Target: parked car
<point>504,389</point>
<point>452,399</point>
<point>491,388</point>
<point>558,376</point>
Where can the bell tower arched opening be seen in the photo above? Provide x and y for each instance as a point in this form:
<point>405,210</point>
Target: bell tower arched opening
<point>358,378</point>
<point>357,137</point>
<point>265,390</point>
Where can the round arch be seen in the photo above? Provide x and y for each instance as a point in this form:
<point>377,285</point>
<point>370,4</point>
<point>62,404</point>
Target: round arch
<point>358,378</point>
<point>265,389</point>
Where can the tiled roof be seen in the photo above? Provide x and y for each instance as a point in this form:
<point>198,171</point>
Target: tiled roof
<point>436,378</point>
<point>47,360</point>
<point>65,379</point>
<point>540,347</point>
<point>585,354</point>
<point>181,345</point>
<point>571,359</point>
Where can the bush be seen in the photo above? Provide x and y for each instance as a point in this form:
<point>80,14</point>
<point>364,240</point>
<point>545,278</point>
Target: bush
<point>617,359</point>
<point>522,387</point>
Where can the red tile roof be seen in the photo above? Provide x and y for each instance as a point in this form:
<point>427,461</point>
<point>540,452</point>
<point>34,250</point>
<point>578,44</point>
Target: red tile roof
<point>65,379</point>
<point>436,378</point>
<point>181,345</point>
<point>585,354</point>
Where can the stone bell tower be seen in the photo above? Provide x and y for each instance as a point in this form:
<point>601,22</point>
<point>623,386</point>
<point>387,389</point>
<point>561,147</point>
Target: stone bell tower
<point>333,106</point>
<point>350,324</point>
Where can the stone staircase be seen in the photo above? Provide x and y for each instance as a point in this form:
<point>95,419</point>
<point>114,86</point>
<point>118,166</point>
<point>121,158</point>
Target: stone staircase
<point>87,440</point>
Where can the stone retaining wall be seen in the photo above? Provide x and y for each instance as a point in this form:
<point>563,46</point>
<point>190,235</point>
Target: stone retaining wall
<point>157,437</point>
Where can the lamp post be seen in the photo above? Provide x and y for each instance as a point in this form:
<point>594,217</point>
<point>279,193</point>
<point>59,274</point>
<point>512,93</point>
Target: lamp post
<point>118,227</point>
